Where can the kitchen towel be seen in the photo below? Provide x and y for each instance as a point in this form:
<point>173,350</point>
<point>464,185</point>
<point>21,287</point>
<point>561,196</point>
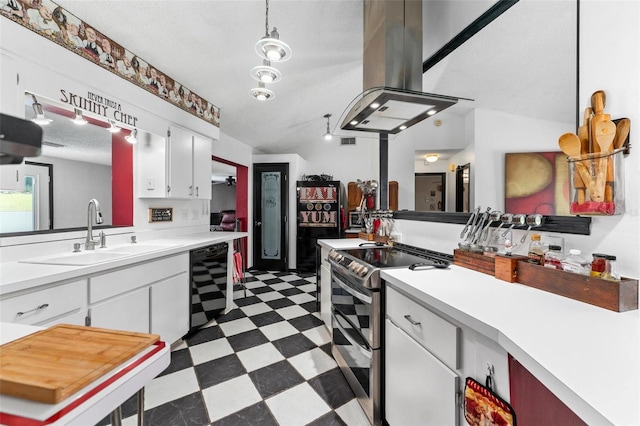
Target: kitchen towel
<point>482,406</point>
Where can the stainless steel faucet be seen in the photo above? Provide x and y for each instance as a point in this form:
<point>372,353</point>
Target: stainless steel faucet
<point>90,243</point>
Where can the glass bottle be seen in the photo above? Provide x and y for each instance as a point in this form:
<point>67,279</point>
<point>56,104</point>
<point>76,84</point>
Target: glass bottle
<point>553,257</point>
<point>611,272</point>
<point>576,263</point>
<point>598,264</point>
<point>536,252</point>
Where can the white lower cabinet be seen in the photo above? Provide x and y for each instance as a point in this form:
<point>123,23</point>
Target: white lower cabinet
<point>126,312</point>
<point>170,308</point>
<point>420,390</point>
<point>46,306</point>
<point>152,297</point>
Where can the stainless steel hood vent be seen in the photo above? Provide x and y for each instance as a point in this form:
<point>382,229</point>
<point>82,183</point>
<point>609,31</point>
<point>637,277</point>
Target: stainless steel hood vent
<point>392,98</point>
<point>389,110</point>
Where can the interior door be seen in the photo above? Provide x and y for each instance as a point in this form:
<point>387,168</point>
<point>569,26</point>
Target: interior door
<point>270,206</point>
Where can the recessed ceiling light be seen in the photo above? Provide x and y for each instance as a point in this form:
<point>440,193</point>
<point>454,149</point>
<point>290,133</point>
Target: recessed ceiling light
<point>403,127</point>
<point>374,105</point>
<point>431,112</point>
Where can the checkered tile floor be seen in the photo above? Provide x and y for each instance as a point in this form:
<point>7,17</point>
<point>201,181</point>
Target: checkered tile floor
<point>266,363</point>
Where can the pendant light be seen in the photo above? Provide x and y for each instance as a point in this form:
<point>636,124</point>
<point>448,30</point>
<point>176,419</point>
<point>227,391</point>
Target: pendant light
<point>270,47</point>
<point>328,136</point>
<point>78,118</point>
<point>37,109</point>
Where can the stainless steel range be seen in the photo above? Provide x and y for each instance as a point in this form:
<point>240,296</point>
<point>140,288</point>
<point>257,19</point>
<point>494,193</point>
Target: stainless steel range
<point>357,312</point>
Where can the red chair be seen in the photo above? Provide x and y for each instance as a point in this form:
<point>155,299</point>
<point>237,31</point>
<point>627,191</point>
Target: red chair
<point>228,222</point>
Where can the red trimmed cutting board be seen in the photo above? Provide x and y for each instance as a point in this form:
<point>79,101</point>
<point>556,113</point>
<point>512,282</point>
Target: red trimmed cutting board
<point>50,365</point>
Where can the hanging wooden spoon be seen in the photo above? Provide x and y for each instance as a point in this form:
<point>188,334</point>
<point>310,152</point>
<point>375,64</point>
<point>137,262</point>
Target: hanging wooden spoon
<point>585,143</point>
<point>622,131</point>
<point>570,144</point>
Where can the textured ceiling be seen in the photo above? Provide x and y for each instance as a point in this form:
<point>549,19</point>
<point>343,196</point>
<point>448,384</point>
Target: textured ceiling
<point>209,47</point>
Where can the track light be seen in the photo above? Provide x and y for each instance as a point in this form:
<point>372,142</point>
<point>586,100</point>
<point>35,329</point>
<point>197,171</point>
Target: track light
<point>327,135</point>
<point>132,138</point>
<point>78,118</point>
<point>40,118</point>
<point>112,127</point>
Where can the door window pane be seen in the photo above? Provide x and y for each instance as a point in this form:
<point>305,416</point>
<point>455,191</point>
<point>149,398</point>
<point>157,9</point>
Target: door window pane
<point>271,213</point>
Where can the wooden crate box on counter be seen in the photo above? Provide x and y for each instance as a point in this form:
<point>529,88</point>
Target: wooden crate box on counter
<point>619,296</point>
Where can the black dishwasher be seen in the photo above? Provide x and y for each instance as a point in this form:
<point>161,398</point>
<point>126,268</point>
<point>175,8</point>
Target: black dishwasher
<point>208,276</point>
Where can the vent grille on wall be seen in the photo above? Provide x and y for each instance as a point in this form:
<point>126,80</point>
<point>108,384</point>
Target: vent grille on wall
<point>347,141</point>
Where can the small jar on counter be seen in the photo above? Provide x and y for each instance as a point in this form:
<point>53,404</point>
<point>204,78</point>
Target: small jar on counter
<point>536,254</point>
<point>553,257</point>
<point>598,265</point>
<point>576,263</point>
<point>611,272</point>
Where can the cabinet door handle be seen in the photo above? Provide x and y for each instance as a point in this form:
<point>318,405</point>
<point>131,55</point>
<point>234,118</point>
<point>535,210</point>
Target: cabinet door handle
<point>190,190</point>
<point>411,320</point>
<point>197,192</point>
<point>38,308</point>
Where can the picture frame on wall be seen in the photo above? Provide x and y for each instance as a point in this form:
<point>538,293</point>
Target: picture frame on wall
<point>355,220</point>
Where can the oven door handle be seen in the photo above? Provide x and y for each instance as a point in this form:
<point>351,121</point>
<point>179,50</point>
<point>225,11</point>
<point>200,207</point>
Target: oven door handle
<point>363,297</point>
<point>363,349</point>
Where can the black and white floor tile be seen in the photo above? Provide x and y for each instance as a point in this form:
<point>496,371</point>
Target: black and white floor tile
<point>265,363</point>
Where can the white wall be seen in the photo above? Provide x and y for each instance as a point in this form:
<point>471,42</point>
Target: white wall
<point>618,34</point>
<point>297,167</point>
<point>223,197</point>
<point>346,163</point>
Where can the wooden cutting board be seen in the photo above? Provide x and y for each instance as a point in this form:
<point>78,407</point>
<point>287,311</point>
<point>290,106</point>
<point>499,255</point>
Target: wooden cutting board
<point>50,365</point>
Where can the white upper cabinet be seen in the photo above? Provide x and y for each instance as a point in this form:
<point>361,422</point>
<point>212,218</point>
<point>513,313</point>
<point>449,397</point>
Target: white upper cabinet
<point>201,167</point>
<point>178,166</point>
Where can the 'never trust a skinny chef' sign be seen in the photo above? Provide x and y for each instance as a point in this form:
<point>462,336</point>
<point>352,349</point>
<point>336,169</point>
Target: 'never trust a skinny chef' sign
<point>318,206</point>
<point>98,105</point>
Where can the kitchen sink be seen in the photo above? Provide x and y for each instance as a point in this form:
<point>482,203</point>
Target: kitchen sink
<point>92,257</point>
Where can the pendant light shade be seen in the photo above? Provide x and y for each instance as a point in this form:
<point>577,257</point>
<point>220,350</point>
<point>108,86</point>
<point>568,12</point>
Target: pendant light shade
<point>261,93</point>
<point>328,136</point>
<point>272,48</point>
<point>266,73</point>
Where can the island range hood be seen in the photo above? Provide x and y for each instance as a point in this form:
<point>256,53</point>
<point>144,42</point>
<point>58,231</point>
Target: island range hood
<point>392,98</point>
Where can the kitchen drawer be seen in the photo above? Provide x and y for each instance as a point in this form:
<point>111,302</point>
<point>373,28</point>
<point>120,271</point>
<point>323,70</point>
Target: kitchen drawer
<point>113,283</point>
<point>43,305</point>
<point>431,331</point>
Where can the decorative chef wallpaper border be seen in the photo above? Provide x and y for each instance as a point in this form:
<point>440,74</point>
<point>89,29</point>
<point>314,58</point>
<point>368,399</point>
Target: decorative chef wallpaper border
<point>46,18</point>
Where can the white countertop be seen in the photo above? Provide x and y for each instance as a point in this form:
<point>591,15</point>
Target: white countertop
<point>17,276</point>
<point>587,356</point>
